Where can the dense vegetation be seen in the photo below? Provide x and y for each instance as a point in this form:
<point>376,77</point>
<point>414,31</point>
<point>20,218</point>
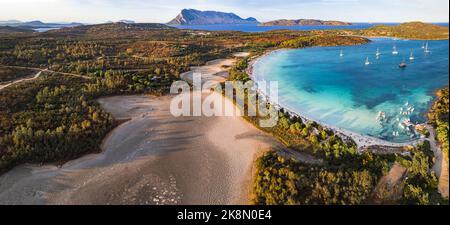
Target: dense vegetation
<point>50,119</point>
<point>421,184</point>
<point>281,182</point>
<point>10,74</point>
<point>323,40</point>
<point>412,30</point>
<point>438,117</point>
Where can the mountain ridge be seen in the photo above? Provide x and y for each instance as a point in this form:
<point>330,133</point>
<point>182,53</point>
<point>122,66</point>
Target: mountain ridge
<point>37,24</point>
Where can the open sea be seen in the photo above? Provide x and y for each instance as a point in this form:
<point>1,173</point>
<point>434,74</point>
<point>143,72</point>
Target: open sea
<point>380,99</point>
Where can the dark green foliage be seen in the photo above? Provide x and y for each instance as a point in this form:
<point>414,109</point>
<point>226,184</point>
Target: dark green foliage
<point>421,184</point>
<point>287,182</point>
<point>11,74</point>
<point>49,120</point>
<point>438,117</point>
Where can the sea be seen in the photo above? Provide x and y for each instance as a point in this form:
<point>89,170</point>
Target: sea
<point>379,99</point>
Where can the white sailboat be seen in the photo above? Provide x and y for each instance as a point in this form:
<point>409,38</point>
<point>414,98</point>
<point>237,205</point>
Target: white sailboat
<point>378,52</point>
<point>423,46</point>
<point>394,50</point>
<point>367,61</point>
<point>341,54</point>
<point>427,50</point>
<point>411,56</point>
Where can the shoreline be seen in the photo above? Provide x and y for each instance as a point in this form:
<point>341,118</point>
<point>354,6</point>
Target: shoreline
<point>362,140</point>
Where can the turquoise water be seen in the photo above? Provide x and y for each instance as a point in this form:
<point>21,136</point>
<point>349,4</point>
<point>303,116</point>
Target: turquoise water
<point>346,93</point>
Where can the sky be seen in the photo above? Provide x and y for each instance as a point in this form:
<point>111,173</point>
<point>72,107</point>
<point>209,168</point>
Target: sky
<point>161,11</point>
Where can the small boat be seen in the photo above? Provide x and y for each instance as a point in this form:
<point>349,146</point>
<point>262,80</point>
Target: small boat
<point>381,115</point>
<point>408,123</point>
<point>341,54</point>
<point>367,61</point>
<point>403,64</point>
<point>423,46</point>
<point>411,56</point>
<point>394,50</point>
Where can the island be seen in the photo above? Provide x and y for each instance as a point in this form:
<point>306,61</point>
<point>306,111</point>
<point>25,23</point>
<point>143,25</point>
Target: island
<point>197,17</point>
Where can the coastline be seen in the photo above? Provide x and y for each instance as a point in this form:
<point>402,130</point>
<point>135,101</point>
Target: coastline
<point>363,141</point>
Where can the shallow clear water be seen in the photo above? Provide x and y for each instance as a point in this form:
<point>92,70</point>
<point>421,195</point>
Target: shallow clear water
<point>346,93</point>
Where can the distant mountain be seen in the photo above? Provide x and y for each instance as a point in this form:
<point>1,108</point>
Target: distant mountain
<point>196,17</point>
<point>8,22</point>
<point>305,22</point>
<point>37,24</point>
<point>14,30</point>
<point>126,21</point>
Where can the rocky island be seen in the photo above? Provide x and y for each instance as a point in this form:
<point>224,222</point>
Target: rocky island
<point>197,17</point>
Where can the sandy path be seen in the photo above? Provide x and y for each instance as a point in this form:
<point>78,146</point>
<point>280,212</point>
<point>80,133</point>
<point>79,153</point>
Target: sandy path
<point>216,71</point>
<point>390,187</point>
<point>21,80</point>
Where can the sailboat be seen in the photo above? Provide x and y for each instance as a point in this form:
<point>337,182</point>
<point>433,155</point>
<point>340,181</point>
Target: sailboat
<point>411,56</point>
<point>378,52</point>
<point>394,50</point>
<point>341,54</point>
<point>423,46</point>
<point>427,50</point>
<point>367,61</point>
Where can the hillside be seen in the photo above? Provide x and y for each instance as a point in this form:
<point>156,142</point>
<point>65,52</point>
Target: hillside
<point>196,17</point>
<point>112,30</point>
<point>412,30</point>
<point>37,24</point>
<point>304,22</point>
<point>14,30</point>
